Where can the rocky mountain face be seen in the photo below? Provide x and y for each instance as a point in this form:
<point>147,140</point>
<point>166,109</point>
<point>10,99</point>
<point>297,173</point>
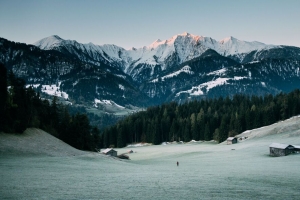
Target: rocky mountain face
<point>56,73</point>
<point>182,68</point>
<point>148,62</point>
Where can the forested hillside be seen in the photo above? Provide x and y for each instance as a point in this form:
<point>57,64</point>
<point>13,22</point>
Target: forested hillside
<point>202,120</point>
<point>22,107</point>
<point>208,119</point>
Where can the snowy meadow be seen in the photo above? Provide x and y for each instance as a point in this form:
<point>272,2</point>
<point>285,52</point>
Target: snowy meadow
<point>206,170</point>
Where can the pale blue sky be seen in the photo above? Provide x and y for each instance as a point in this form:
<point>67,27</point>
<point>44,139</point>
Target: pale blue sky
<point>137,23</point>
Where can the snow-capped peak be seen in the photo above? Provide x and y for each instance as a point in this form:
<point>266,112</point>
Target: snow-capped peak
<point>232,46</point>
<point>227,39</point>
<point>185,47</point>
<point>175,50</point>
<point>49,42</point>
<point>186,34</point>
<point>156,43</point>
<point>183,36</point>
<point>108,52</point>
<point>56,37</point>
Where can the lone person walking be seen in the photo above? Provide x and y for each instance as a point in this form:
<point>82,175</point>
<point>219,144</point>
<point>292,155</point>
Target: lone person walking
<point>177,163</point>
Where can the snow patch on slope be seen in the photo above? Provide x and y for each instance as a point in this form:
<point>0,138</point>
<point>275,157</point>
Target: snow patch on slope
<point>205,87</point>
<point>33,85</point>
<point>186,69</point>
<point>106,102</point>
<point>121,87</point>
<point>54,90</point>
<point>218,72</point>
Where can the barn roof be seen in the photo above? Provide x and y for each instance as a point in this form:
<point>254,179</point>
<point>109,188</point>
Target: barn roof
<point>297,146</point>
<point>231,138</point>
<point>281,146</point>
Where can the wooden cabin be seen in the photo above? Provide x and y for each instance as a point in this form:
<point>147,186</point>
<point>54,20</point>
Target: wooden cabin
<point>231,140</point>
<point>110,152</point>
<point>277,149</point>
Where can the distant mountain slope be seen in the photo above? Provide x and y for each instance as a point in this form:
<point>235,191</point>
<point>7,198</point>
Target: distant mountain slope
<point>212,75</point>
<point>279,52</point>
<point>181,68</point>
<point>185,76</point>
<point>82,82</point>
<point>90,53</point>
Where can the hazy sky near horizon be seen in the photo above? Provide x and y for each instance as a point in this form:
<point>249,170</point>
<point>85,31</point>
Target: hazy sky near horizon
<point>137,23</point>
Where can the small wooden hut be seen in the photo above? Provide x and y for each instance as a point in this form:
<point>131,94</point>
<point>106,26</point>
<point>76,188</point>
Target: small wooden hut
<point>110,152</point>
<point>277,149</point>
<point>231,140</point>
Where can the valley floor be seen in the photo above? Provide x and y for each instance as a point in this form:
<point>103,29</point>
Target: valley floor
<point>206,171</point>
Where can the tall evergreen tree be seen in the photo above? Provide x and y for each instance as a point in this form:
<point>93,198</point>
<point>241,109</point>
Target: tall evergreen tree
<point>201,124</point>
<point>80,132</point>
<point>223,130</point>
<point>206,132</point>
<point>194,126</point>
<point>187,130</point>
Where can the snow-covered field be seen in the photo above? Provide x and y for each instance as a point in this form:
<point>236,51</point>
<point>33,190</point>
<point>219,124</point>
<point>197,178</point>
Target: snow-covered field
<point>206,171</point>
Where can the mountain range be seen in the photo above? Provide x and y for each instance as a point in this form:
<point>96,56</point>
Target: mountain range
<point>182,68</point>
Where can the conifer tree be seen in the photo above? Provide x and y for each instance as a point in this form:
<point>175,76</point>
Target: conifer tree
<point>207,132</point>
<point>194,127</point>
<point>223,130</point>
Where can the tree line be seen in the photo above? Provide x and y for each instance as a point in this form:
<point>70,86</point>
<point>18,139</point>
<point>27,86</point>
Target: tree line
<point>210,119</point>
<point>22,107</point>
